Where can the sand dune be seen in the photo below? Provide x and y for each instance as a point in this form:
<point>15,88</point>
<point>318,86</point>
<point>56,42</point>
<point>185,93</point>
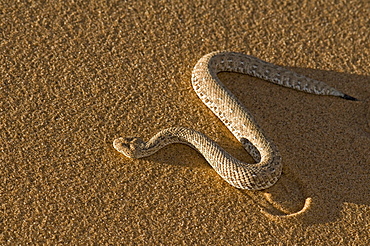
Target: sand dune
<point>75,76</point>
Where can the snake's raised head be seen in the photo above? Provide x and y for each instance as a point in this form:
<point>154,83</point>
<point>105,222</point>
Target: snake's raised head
<point>130,147</point>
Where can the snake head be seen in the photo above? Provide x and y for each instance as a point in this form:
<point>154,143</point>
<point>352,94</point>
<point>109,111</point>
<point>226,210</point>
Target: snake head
<point>129,146</point>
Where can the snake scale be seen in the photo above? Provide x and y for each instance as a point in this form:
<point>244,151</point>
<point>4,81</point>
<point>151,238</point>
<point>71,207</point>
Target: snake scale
<point>252,176</point>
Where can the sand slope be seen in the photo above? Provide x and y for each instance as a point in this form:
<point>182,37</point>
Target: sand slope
<point>74,76</point>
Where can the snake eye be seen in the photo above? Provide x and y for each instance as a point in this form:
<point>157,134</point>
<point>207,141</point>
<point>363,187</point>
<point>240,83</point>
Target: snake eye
<point>244,140</point>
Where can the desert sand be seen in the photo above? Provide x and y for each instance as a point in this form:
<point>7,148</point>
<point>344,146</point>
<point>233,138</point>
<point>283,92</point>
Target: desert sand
<point>74,76</point>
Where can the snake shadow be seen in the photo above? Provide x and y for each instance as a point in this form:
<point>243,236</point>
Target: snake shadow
<point>324,142</point>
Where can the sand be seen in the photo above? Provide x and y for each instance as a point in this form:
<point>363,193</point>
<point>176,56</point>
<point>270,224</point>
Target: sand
<point>75,76</point>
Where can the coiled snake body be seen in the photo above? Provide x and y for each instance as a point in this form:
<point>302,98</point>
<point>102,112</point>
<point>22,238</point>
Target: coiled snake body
<point>267,169</point>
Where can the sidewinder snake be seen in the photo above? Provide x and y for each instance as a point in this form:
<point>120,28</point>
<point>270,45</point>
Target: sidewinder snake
<point>268,167</point>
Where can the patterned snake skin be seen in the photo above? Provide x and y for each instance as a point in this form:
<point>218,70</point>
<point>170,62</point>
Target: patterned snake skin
<point>268,167</point>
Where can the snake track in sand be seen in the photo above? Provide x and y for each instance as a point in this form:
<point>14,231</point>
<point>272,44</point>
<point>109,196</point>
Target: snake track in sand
<point>267,169</point>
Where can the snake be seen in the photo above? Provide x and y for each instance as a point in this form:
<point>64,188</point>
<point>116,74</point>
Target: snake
<point>267,169</point>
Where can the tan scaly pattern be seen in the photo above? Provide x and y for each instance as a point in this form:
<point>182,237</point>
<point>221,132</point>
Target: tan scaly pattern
<point>267,169</point>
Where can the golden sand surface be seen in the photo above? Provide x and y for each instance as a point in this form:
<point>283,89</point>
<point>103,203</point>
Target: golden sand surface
<point>75,75</point>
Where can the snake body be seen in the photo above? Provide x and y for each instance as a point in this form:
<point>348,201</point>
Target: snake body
<point>268,167</point>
